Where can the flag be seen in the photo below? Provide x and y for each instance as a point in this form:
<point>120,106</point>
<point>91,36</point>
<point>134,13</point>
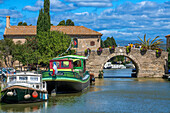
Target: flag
<point>54,69</point>
<point>75,43</point>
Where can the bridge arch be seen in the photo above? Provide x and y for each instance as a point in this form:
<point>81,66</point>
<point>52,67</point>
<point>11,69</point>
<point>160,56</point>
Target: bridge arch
<point>132,58</point>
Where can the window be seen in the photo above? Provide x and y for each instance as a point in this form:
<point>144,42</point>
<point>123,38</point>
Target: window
<point>34,78</point>
<point>37,86</point>
<point>65,64</point>
<point>75,43</point>
<point>12,79</point>
<point>92,43</point>
<point>23,78</point>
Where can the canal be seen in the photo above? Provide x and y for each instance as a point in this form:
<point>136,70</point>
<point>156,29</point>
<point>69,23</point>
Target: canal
<point>106,95</point>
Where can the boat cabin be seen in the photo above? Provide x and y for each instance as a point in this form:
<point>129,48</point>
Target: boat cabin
<point>26,79</point>
<point>73,63</point>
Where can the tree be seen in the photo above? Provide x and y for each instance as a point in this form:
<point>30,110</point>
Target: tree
<point>22,24</point>
<point>7,54</point>
<point>47,22</point>
<point>62,23</point>
<point>69,22</point>
<point>102,43</point>
<point>150,44</point>
<point>57,43</point>
<point>110,41</point>
<point>40,22</point>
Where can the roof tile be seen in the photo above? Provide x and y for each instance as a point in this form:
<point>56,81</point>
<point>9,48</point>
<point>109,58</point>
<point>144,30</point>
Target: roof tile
<point>32,30</point>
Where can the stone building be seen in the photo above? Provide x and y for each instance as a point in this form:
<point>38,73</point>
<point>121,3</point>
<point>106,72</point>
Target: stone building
<point>83,37</point>
<point>167,41</point>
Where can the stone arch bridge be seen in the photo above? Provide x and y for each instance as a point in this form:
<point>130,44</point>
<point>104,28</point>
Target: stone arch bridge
<point>147,65</point>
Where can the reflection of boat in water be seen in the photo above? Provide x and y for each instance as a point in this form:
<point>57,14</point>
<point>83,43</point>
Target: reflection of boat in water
<point>108,65</point>
<point>130,65</point>
<point>134,73</point>
<point>24,108</point>
<point>67,74</point>
<point>24,87</point>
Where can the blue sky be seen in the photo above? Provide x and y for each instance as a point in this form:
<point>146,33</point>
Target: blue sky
<point>122,19</point>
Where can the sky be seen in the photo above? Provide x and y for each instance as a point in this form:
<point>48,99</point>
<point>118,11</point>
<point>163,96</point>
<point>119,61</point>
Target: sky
<point>125,20</point>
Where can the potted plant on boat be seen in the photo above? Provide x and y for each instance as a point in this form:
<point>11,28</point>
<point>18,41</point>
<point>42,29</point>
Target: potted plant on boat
<point>99,51</point>
<point>128,49</point>
<point>143,50</point>
<point>87,51</point>
<point>111,49</point>
<point>158,52</point>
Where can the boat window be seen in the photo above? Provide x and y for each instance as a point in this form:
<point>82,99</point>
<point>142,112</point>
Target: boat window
<point>77,63</point>
<point>34,78</point>
<point>23,78</point>
<point>65,64</point>
<point>37,86</point>
<point>12,79</point>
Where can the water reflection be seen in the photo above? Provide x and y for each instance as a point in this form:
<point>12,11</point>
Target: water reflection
<point>106,95</point>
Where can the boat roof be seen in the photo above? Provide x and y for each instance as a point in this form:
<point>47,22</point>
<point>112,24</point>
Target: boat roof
<point>70,56</point>
<point>26,74</point>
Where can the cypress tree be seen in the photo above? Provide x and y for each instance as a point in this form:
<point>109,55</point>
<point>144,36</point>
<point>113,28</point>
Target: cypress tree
<point>40,22</point>
<point>47,21</point>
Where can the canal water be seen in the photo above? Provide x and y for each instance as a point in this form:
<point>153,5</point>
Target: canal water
<point>132,95</point>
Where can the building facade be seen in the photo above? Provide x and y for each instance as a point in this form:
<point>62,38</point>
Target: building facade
<point>167,41</point>
<point>82,37</point>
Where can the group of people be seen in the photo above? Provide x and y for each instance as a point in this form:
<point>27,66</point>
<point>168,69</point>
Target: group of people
<point>134,46</point>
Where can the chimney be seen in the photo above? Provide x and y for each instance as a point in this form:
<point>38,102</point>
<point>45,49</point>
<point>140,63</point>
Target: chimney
<point>7,21</point>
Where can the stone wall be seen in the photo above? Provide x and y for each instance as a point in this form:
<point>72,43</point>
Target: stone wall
<point>147,65</point>
<point>84,42</point>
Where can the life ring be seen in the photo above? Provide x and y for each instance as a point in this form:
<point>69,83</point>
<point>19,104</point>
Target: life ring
<point>34,94</point>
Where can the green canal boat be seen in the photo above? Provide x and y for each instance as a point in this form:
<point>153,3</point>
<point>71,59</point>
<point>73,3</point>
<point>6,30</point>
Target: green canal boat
<point>24,87</point>
<point>67,74</point>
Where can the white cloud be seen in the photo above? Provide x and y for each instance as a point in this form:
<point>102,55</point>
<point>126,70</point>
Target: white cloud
<point>92,3</point>
<point>11,13</point>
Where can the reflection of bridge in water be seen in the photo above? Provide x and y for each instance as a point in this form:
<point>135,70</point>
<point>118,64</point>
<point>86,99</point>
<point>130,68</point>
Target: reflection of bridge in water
<point>147,65</point>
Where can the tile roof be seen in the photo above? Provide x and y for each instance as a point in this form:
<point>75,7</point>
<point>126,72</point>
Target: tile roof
<point>31,30</point>
<point>167,36</point>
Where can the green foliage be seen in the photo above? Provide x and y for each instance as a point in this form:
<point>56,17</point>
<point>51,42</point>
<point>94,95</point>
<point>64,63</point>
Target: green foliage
<point>40,22</point>
<point>62,23</point>
<point>22,24</point>
<point>52,44</point>
<point>69,22</point>
<point>7,53</point>
<point>150,44</point>
<point>110,41</point>
<point>44,23</point>
<point>102,43</point>
<point>128,48</point>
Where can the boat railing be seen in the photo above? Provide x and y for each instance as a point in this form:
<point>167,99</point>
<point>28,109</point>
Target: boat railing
<point>67,74</point>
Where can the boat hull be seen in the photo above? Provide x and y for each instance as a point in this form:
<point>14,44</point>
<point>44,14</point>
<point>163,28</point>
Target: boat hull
<point>19,93</point>
<point>67,86</point>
